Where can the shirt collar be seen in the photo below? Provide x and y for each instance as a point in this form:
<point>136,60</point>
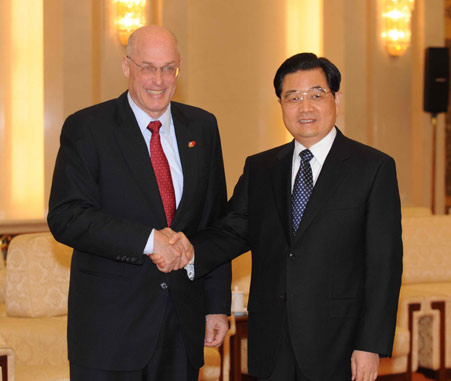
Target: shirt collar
<point>144,119</point>
<point>319,150</point>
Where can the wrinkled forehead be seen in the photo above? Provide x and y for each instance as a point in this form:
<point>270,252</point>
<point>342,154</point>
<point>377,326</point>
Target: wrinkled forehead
<point>303,80</point>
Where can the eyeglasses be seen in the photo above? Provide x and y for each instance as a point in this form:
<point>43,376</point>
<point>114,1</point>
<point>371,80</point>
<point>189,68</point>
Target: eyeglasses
<point>315,94</point>
<point>168,71</point>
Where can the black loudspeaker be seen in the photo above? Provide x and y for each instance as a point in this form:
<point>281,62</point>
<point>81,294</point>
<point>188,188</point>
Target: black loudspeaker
<point>436,80</point>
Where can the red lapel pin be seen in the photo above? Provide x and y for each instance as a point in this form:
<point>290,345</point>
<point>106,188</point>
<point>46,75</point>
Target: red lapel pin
<point>191,144</point>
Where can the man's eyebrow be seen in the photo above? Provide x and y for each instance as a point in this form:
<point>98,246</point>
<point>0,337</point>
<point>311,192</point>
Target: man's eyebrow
<point>151,63</point>
<point>295,91</point>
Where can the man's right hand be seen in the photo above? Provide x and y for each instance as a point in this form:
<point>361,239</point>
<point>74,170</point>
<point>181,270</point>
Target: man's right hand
<point>167,257</point>
<point>171,251</point>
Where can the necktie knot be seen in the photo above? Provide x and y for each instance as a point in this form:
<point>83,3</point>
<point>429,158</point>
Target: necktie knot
<point>306,156</point>
<point>154,126</point>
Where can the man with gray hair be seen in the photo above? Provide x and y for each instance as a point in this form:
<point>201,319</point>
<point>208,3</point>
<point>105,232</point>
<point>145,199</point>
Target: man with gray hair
<point>128,169</point>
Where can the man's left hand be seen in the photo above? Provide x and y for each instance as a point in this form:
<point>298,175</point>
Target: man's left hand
<point>217,326</point>
<point>364,365</point>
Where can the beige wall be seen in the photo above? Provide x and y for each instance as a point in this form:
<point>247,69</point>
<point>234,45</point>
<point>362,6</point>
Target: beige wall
<point>230,53</point>
<point>4,119</point>
<point>68,70</point>
<point>383,95</point>
<point>21,109</point>
<point>228,66</point>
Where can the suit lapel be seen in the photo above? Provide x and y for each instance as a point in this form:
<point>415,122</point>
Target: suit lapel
<point>188,158</point>
<point>136,154</point>
<point>334,171</point>
<point>281,181</point>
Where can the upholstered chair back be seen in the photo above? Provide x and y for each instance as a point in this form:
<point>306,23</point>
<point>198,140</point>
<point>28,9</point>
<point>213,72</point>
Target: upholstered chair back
<point>37,276</point>
<point>427,249</point>
<point>2,279</point>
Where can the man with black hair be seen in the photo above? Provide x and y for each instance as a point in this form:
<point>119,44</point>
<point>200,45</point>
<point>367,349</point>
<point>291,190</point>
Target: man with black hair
<point>322,218</point>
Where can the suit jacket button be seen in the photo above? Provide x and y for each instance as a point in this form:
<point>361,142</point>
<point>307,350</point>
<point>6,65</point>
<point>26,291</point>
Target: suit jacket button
<point>283,296</point>
<point>163,285</point>
<point>292,256</point>
<point>133,259</point>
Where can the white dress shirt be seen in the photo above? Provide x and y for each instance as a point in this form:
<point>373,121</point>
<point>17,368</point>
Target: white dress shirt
<point>319,151</point>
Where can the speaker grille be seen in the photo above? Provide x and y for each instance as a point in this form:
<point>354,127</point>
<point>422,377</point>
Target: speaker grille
<point>436,80</point>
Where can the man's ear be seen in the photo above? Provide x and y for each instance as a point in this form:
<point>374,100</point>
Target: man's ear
<point>338,96</point>
<point>125,66</point>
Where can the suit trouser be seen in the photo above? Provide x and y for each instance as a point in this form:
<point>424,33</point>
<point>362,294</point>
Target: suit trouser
<point>169,362</point>
<point>286,367</point>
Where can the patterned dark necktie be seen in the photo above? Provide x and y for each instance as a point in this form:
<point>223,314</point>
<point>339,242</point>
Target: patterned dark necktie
<point>162,171</point>
<point>302,189</point>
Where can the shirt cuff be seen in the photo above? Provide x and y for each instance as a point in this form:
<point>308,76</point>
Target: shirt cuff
<point>190,269</point>
<point>149,245</point>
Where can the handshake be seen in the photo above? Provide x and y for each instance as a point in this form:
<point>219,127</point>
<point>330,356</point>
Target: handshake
<point>171,251</point>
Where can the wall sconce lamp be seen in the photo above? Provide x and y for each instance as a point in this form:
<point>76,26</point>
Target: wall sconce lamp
<point>396,17</point>
<point>130,15</point>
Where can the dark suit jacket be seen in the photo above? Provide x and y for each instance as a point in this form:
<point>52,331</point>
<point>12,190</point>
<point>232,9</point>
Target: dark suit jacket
<point>337,281</point>
<point>104,203</point>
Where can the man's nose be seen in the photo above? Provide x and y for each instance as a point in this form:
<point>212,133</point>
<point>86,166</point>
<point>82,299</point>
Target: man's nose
<point>157,76</point>
<point>305,104</point>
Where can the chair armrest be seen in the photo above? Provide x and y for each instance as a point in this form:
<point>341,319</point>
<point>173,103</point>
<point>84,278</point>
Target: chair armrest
<point>36,341</point>
<point>232,327</point>
<point>401,345</point>
<point>6,364</point>
<point>225,349</point>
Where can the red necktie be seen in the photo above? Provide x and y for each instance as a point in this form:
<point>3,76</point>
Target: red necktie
<point>162,172</point>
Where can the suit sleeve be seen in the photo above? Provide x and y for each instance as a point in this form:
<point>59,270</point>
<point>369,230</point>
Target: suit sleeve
<point>228,238</point>
<point>75,217</point>
<point>217,284</point>
<point>383,263</point>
